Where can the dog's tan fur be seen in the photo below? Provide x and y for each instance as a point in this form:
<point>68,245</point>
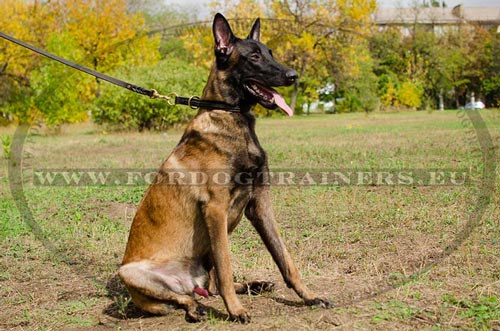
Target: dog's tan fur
<point>180,232</point>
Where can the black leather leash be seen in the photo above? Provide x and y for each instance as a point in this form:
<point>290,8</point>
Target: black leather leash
<point>171,98</point>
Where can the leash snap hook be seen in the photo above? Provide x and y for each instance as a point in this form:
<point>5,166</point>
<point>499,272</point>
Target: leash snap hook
<point>169,97</point>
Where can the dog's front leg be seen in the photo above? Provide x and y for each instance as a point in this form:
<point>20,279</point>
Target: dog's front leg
<point>259,212</point>
<point>215,213</point>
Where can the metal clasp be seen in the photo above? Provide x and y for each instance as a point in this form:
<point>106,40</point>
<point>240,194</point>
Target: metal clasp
<point>169,97</point>
<point>191,98</point>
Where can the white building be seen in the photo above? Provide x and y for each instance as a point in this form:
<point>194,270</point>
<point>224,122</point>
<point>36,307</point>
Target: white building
<point>437,18</point>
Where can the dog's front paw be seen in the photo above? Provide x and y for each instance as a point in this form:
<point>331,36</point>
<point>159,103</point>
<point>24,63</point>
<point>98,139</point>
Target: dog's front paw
<point>319,302</point>
<point>242,316</point>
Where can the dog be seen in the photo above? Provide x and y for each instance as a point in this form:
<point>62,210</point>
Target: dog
<point>178,240</point>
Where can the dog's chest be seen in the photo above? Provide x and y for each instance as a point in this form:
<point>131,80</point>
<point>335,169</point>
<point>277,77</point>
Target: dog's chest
<point>256,155</point>
<point>252,157</point>
<point>247,165</point>
<point>240,195</point>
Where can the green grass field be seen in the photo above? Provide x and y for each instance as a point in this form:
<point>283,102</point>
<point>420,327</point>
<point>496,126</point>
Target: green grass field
<point>367,248</point>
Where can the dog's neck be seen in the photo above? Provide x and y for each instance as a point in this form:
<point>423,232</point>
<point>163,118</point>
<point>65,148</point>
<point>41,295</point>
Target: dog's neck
<point>224,87</point>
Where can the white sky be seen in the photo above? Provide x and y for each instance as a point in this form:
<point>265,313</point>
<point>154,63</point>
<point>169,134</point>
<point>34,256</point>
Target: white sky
<point>449,3</point>
<point>200,6</point>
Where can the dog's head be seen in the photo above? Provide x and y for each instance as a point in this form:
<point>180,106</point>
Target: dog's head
<point>251,66</point>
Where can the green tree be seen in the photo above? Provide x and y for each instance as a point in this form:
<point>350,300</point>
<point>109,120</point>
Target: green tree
<point>489,64</point>
<point>59,94</point>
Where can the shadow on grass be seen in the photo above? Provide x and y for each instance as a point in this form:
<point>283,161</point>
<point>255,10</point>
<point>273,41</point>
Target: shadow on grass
<point>289,303</point>
<point>122,307</point>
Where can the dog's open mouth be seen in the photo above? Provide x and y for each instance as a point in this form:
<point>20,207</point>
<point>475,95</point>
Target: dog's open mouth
<point>268,97</point>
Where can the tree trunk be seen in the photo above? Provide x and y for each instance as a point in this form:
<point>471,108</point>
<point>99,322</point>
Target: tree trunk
<point>441,101</point>
<point>295,92</point>
<point>293,100</point>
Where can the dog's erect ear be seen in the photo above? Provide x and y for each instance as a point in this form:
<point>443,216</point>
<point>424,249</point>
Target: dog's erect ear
<point>223,36</point>
<point>255,32</point>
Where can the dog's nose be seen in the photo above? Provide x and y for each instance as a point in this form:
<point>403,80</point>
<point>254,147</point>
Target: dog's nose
<point>291,76</point>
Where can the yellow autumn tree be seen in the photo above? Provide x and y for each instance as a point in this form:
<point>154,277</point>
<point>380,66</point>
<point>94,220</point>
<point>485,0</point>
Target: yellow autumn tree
<point>108,35</point>
<point>301,29</point>
<point>350,64</point>
<point>100,34</point>
<point>390,98</point>
<point>410,94</point>
<point>25,21</point>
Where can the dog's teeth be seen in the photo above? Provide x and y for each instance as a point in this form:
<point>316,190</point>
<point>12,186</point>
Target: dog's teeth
<point>258,92</point>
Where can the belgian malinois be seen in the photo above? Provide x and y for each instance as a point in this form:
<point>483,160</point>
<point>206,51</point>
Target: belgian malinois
<point>178,241</point>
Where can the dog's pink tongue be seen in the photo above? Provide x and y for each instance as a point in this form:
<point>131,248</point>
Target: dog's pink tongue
<point>201,291</point>
<point>280,102</point>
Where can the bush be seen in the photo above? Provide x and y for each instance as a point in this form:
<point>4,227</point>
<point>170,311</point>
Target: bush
<point>410,94</point>
<point>59,94</point>
<point>124,109</point>
<point>387,90</point>
<point>361,96</point>
<point>6,144</point>
<point>491,88</point>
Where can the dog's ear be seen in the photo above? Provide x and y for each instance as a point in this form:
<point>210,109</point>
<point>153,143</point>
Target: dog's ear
<point>255,32</point>
<point>223,36</point>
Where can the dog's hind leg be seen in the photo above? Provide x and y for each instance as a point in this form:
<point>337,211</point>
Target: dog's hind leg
<point>153,285</point>
<point>148,304</point>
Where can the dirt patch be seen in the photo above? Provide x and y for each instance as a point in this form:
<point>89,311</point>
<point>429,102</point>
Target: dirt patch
<point>123,212</point>
<point>117,211</point>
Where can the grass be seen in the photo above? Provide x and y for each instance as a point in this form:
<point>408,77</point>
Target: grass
<point>354,244</point>
<point>6,141</point>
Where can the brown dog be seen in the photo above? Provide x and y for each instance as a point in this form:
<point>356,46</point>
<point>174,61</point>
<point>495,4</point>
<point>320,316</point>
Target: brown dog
<point>179,235</point>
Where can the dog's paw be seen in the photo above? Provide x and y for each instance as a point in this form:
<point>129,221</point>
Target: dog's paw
<point>241,316</point>
<point>320,302</point>
<point>258,287</point>
<point>196,315</point>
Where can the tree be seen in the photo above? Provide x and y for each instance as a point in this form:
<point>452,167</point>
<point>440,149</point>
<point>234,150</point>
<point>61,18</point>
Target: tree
<point>484,69</point>
<point>98,34</point>
<point>490,86</point>
<point>26,21</point>
<point>349,60</point>
<point>108,35</point>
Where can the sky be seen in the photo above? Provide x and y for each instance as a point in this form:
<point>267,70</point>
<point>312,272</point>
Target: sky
<point>449,3</point>
<point>202,11</point>
<point>383,3</point>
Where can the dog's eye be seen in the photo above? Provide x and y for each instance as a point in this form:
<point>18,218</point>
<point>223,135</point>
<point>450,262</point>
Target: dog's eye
<point>255,56</point>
